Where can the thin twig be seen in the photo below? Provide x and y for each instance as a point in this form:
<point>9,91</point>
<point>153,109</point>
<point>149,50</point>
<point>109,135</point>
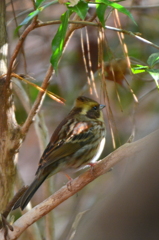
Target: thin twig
<point>143,7</point>
<point>38,101</point>
<point>17,49</point>
<point>133,35</point>
<point>16,23</point>
<point>86,23</point>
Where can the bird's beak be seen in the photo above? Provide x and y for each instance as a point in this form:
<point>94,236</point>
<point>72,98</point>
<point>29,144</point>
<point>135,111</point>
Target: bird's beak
<point>101,106</point>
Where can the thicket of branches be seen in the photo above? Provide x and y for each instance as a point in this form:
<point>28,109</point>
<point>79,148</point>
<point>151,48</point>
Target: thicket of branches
<point>57,51</point>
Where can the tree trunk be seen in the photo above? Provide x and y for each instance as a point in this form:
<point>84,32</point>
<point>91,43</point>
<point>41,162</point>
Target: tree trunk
<point>10,134</point>
<point>3,39</point>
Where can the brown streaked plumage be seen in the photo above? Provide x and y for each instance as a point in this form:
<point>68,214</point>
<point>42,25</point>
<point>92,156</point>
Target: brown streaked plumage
<point>78,140</point>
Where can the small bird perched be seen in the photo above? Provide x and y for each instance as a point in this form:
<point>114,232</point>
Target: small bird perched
<point>78,140</point>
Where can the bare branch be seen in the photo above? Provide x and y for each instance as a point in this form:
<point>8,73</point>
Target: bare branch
<point>87,23</point>
<point>135,35</point>
<point>37,102</point>
<point>17,49</point>
<point>124,152</point>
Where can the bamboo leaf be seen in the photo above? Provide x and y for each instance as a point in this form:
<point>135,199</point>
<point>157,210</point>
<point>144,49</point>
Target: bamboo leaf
<point>58,40</point>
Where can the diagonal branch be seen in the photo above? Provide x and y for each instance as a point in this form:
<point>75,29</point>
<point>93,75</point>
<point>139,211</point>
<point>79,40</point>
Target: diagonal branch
<point>17,49</point>
<point>124,152</point>
<point>38,101</point>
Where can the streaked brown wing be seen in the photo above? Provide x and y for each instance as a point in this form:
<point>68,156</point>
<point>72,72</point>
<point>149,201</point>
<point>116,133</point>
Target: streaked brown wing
<point>78,137</point>
<point>65,150</point>
<point>56,140</point>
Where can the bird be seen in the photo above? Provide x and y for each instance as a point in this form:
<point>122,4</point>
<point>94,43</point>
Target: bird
<point>78,140</point>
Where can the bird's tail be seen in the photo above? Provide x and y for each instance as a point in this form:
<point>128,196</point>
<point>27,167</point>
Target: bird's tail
<point>28,194</point>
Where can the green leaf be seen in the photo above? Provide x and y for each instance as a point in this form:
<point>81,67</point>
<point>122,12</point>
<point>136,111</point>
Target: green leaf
<point>16,31</point>
<point>100,10</point>
<point>27,19</point>
<point>36,12</point>
<point>58,40</point>
<point>33,14</point>
<point>119,7</point>
<point>136,71</point>
<point>30,16</point>
<point>38,3</point>
<point>155,74</point>
<point>153,59</point>
<point>138,68</point>
<point>81,9</point>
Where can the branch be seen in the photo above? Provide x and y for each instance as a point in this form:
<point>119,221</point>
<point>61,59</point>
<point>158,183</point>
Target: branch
<point>103,166</point>
<point>135,35</point>
<point>17,49</point>
<point>10,136</point>
<point>3,39</point>
<point>87,23</point>
<point>38,101</point>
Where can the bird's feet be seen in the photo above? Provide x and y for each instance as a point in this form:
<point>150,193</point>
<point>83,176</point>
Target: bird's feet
<point>92,167</point>
<point>69,185</point>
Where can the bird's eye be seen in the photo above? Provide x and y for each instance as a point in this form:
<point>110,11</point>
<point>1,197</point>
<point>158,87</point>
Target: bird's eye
<point>95,107</point>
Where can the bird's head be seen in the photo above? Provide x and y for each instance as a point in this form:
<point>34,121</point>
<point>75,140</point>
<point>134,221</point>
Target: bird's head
<point>89,108</point>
